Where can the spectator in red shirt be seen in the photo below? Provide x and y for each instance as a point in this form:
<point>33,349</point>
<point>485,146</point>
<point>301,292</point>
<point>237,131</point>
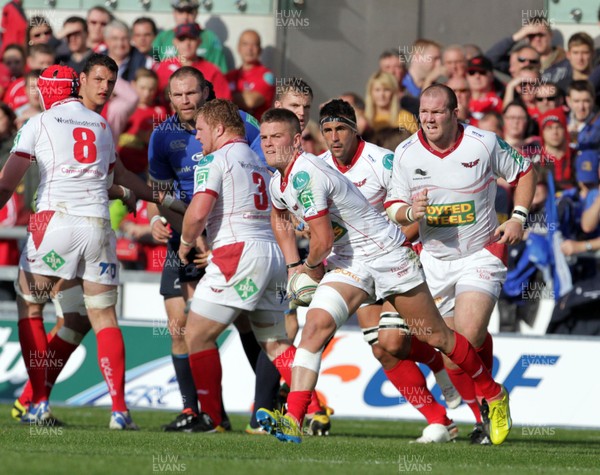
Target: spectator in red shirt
<point>39,32</point>
<point>556,153</point>
<point>253,84</point>
<point>186,41</point>
<point>134,141</point>
<point>14,59</point>
<point>481,82</point>
<point>14,25</point>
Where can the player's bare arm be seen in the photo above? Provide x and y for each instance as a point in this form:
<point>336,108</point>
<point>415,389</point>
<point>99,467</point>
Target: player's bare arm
<point>283,229</point>
<point>321,244</point>
<point>194,222</point>
<point>512,230</point>
<point>11,175</point>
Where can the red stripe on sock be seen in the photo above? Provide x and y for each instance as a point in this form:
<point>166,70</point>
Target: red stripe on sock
<point>465,356</point>
<point>34,346</point>
<point>111,360</point>
<point>409,380</point>
<point>207,373</point>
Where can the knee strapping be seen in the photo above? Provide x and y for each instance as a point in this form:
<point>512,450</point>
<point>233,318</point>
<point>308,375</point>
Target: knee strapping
<point>30,298</point>
<point>276,329</point>
<point>101,301</point>
<point>393,321</point>
<point>70,301</point>
<point>371,335</point>
<point>70,336</point>
<point>308,360</point>
<point>330,300</point>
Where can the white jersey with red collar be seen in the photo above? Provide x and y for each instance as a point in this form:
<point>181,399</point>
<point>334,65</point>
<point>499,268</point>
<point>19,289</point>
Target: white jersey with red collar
<point>461,185</point>
<point>311,188</point>
<point>239,181</point>
<point>74,149</point>
<point>370,170</point>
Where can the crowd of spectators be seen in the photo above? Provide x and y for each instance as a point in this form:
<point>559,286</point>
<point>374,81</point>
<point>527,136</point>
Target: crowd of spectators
<point>539,98</point>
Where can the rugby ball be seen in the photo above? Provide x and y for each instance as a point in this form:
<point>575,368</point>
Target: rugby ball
<point>301,289</point>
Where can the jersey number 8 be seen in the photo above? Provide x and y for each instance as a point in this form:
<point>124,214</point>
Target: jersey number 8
<point>84,149</point>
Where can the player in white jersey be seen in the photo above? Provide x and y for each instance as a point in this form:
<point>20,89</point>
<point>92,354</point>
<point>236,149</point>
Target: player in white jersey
<point>70,235</point>
<point>369,167</point>
<point>366,259</point>
<point>246,269</point>
<point>444,177</point>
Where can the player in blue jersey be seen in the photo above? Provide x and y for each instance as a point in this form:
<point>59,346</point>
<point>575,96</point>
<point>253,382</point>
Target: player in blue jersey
<point>173,154</point>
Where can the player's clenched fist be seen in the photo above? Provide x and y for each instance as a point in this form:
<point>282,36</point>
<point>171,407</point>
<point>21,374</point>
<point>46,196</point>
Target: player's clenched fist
<point>419,206</point>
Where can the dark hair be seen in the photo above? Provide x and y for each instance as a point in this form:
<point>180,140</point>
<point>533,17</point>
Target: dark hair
<point>389,53</point>
<point>282,115</point>
<point>16,47</point>
<point>451,100</point>
<point>77,19</point>
<point>496,115</point>
<point>34,22</point>
<point>41,48</point>
<point>211,91</point>
<point>189,71</point>
<point>34,73</point>
<point>10,114</point>
<point>102,9</point>
<point>295,86</point>
<point>97,59</point>
<point>581,38</point>
<point>390,137</point>
<point>145,19</point>
<point>581,85</point>
<point>338,107</point>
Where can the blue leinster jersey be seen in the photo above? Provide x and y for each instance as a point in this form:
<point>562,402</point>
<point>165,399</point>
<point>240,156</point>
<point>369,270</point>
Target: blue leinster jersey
<point>174,153</point>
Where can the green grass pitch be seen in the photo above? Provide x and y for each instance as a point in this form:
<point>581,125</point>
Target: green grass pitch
<point>86,446</point>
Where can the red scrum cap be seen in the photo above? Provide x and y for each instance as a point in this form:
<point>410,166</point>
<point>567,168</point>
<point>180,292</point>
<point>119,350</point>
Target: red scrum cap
<point>57,83</point>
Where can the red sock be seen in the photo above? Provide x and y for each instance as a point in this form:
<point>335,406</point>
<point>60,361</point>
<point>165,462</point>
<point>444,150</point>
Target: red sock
<point>111,360</point>
<point>27,393</point>
<point>408,379</point>
<point>34,346</point>
<point>59,352</point>
<point>423,353</point>
<point>207,373</point>
<point>465,356</point>
<point>284,364</point>
<point>466,388</point>
<point>486,353</point>
<point>297,403</point>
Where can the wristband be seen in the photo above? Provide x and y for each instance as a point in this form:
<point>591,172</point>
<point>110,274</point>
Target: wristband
<point>126,192</point>
<point>588,246</point>
<point>308,266</point>
<point>293,264</point>
<point>409,215</point>
<point>521,211</point>
<point>156,218</point>
<point>185,243</point>
<point>518,215</point>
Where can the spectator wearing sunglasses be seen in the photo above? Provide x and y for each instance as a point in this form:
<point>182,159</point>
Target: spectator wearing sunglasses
<point>484,96</point>
<point>535,33</point>
<point>548,96</point>
<point>521,57</point>
<point>578,64</point>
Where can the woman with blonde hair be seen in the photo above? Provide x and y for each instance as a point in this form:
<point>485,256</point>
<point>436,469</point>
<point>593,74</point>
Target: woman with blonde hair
<point>382,104</point>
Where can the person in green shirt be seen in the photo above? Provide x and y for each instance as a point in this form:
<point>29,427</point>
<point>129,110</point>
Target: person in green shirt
<point>210,48</point>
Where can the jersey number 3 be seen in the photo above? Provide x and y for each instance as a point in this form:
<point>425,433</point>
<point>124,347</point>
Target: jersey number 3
<point>84,149</point>
<point>261,200</point>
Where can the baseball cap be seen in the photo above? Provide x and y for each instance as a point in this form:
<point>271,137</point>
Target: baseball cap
<point>480,63</point>
<point>553,115</point>
<point>57,83</point>
<point>182,4</point>
<point>188,30</point>
<point>586,167</point>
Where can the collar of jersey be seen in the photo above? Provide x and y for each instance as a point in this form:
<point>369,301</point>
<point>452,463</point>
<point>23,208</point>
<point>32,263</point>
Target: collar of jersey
<point>284,179</point>
<point>444,154</point>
